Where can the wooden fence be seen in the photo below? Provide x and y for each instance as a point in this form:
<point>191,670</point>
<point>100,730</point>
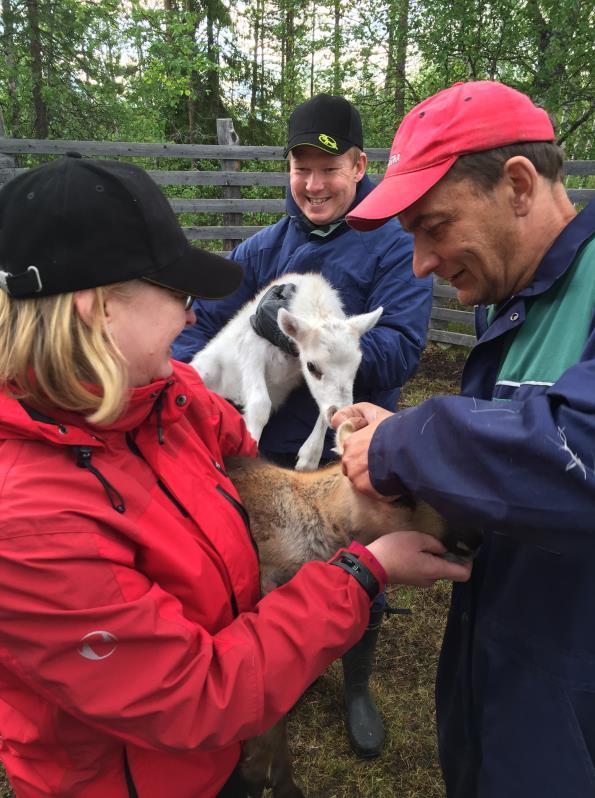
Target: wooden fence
<point>230,208</point>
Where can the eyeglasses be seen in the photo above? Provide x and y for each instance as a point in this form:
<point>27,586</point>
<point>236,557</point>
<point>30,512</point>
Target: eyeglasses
<point>187,299</point>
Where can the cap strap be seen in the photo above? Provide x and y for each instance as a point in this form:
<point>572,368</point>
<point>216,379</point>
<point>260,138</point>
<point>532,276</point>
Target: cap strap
<point>21,285</point>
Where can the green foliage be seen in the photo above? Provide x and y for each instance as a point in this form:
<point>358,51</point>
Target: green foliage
<point>151,71</point>
<point>542,47</point>
<point>80,81</point>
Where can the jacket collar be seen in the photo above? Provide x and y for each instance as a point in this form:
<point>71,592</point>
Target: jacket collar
<point>562,253</point>
<point>69,428</point>
<point>555,263</point>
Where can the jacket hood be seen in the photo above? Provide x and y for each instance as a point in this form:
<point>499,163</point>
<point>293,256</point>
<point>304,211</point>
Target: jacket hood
<point>68,428</point>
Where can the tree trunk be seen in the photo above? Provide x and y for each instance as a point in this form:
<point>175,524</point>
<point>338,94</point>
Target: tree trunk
<point>337,76</point>
<point>312,49</point>
<point>193,79</point>
<point>254,71</point>
<point>9,50</point>
<point>40,112</point>
<point>398,30</point>
<point>290,72</point>
<point>402,38</point>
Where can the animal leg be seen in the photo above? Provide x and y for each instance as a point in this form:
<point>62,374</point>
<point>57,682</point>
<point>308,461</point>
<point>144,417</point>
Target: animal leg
<point>266,762</point>
<point>282,776</point>
<point>311,450</point>
<point>257,406</point>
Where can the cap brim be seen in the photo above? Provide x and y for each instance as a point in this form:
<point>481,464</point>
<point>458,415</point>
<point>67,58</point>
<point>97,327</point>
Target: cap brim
<point>394,194</point>
<point>202,274</point>
<point>312,140</point>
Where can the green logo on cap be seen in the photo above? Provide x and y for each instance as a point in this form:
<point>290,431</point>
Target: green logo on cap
<point>328,141</point>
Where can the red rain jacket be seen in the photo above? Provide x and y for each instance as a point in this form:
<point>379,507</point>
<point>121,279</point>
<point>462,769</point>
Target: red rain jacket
<point>135,654</point>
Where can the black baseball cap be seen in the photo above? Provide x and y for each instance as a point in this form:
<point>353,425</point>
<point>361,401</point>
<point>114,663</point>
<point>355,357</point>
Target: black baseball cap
<point>77,223</point>
<point>330,123</point>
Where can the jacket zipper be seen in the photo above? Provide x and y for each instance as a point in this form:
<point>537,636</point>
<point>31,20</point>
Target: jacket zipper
<point>241,510</point>
<point>132,793</point>
<point>246,519</point>
<point>135,450</point>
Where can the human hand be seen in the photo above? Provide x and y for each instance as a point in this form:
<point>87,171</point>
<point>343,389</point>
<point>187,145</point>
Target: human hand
<point>413,558</point>
<point>360,415</point>
<point>264,319</point>
<point>365,418</point>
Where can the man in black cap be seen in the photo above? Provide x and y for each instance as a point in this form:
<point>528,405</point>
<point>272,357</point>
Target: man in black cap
<point>327,178</point>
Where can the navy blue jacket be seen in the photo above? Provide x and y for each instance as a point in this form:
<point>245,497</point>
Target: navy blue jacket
<point>516,680</point>
<point>369,270</point>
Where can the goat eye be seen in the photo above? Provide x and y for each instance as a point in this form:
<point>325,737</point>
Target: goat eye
<point>314,370</point>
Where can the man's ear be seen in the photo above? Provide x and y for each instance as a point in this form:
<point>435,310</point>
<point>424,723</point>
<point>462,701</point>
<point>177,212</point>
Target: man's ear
<point>360,168</point>
<point>84,302</point>
<point>523,179</point>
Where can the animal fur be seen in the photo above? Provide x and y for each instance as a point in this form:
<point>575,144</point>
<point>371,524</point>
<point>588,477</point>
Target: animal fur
<point>300,516</point>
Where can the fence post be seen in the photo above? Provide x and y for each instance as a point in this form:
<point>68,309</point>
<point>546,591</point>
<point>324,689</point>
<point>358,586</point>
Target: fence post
<point>7,162</point>
<point>227,135</point>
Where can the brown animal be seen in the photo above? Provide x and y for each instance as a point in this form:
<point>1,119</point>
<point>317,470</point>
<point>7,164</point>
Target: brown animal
<point>297,516</point>
<point>300,516</point>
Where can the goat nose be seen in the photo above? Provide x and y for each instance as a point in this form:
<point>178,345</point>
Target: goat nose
<point>330,413</point>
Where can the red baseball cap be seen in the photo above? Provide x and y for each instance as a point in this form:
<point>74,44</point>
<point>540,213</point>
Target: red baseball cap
<point>467,117</point>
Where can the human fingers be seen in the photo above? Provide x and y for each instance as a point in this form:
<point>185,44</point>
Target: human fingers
<point>360,414</point>
<point>349,413</point>
<point>354,461</point>
<point>413,558</point>
<point>455,572</point>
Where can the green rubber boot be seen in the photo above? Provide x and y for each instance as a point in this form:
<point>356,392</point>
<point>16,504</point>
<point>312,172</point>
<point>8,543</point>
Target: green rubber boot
<point>364,724</point>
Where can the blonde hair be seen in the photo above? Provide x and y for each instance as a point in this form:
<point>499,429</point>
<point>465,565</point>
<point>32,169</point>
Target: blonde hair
<point>50,357</point>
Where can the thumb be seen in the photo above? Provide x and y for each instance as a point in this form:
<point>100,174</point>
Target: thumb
<point>431,544</point>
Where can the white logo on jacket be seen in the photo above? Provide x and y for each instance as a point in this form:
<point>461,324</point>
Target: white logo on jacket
<point>98,645</point>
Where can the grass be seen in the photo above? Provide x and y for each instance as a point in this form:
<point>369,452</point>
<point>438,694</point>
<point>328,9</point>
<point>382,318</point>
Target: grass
<point>403,679</point>
<point>403,685</point>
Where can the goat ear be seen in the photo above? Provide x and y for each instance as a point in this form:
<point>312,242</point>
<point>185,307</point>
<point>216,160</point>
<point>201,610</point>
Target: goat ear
<point>293,326</point>
<point>344,430</point>
<point>365,321</point>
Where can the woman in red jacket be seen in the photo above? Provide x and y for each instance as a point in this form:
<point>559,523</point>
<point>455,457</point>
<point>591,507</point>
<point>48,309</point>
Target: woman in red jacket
<point>135,652</point>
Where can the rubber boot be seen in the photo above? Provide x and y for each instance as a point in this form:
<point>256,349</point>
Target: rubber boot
<point>364,724</point>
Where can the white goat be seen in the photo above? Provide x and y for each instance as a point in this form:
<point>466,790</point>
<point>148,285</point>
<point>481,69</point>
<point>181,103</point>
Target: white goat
<point>253,373</point>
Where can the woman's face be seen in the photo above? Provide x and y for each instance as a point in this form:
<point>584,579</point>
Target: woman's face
<point>144,319</point>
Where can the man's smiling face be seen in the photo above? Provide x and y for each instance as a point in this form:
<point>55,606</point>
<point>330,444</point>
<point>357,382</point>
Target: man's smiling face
<point>468,237</point>
<point>323,185</point>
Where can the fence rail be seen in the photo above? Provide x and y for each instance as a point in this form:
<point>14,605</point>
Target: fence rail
<point>230,208</point>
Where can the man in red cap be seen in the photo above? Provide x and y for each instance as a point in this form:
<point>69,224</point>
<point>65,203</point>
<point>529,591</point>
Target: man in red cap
<point>475,175</point>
